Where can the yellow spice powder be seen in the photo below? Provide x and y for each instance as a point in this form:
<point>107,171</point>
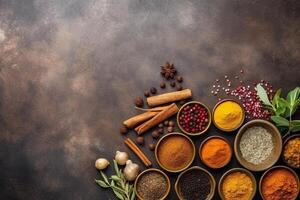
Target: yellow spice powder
<point>228,115</point>
<point>291,152</point>
<point>237,186</point>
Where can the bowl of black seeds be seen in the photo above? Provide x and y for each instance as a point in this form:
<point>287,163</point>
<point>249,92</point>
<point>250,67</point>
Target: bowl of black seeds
<point>195,183</point>
<point>152,184</point>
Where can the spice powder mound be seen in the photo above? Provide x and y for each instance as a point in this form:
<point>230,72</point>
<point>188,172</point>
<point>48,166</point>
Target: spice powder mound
<point>175,152</point>
<point>279,184</point>
<point>256,144</point>
<point>152,186</point>
<point>291,152</point>
<point>195,184</point>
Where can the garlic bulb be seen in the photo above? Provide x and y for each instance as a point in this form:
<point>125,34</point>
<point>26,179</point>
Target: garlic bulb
<point>131,170</point>
<point>121,157</point>
<point>101,163</point>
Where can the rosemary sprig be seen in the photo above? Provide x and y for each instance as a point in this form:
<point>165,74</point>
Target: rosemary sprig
<point>122,189</point>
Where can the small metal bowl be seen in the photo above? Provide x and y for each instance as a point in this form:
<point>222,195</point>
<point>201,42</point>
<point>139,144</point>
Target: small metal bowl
<point>273,168</point>
<point>207,139</point>
<point>235,128</point>
<point>212,182</point>
<point>237,170</point>
<point>273,158</point>
<point>209,118</point>
<point>172,135</point>
<point>152,170</point>
<point>284,143</point>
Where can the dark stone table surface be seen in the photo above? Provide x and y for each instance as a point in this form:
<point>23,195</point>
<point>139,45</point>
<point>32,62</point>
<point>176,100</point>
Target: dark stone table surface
<point>69,70</point>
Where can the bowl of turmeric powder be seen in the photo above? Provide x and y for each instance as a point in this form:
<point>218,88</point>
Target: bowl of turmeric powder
<point>279,182</point>
<point>237,183</point>
<point>228,115</point>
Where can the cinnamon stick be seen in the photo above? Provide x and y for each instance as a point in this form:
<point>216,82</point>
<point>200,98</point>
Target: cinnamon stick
<point>169,97</point>
<point>160,117</point>
<point>133,121</point>
<point>138,152</point>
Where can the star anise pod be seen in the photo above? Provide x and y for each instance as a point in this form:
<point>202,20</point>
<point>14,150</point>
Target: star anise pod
<point>168,71</point>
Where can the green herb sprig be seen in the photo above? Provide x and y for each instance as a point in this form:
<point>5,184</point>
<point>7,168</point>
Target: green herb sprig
<point>282,109</point>
<point>119,185</point>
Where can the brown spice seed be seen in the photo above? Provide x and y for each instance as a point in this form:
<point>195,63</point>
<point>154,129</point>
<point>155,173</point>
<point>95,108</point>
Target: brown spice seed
<point>140,140</point>
<point>162,85</point>
<point>179,79</point>
<point>160,130</point>
<point>147,93</point>
<point>179,87</point>
<point>155,134</point>
<point>123,130</point>
<point>139,102</point>
<point>173,84</point>
<point>160,125</point>
<point>166,123</point>
<point>171,123</point>
<point>170,129</point>
<point>153,90</point>
<point>152,146</point>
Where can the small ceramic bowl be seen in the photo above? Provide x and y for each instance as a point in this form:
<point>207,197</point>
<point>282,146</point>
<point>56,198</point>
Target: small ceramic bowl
<point>276,167</point>
<point>166,137</point>
<point>148,171</point>
<point>273,158</point>
<point>285,142</point>
<point>237,170</point>
<point>235,128</point>
<point>212,182</point>
<point>209,138</point>
<point>209,118</point>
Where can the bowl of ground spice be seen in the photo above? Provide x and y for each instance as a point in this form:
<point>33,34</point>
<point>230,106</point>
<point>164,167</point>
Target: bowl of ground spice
<point>228,115</point>
<point>195,183</point>
<point>237,183</point>
<point>279,183</point>
<point>175,152</point>
<point>215,152</point>
<point>194,118</point>
<point>291,151</point>
<point>258,145</point>
<point>152,184</point>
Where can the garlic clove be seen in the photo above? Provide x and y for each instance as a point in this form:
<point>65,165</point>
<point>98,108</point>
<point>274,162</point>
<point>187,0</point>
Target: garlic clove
<point>101,163</point>
<point>121,157</point>
<point>131,170</point>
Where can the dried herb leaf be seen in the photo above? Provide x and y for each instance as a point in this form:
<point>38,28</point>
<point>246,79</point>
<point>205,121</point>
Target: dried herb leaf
<point>263,96</point>
<point>104,177</point>
<point>280,121</point>
<point>102,183</point>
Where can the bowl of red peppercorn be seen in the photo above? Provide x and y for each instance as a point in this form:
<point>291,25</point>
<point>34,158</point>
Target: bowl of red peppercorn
<point>194,118</point>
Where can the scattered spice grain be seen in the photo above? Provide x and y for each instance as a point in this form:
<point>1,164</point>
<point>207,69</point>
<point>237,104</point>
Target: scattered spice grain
<point>155,134</point>
<point>147,94</point>
<point>172,84</point>
<point>170,129</point>
<point>160,130</point>
<point>139,102</point>
<point>179,79</point>
<point>140,140</point>
<point>256,144</point>
<point>123,130</point>
<point>162,85</point>
<point>152,186</point>
<point>153,90</point>
<point>152,146</point>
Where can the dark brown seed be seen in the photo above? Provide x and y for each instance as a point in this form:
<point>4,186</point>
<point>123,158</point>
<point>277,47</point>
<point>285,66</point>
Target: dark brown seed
<point>123,130</point>
<point>171,123</point>
<point>153,90</point>
<point>179,87</point>
<point>161,131</point>
<point>155,134</point>
<point>160,125</point>
<point>140,140</point>
<point>147,93</point>
<point>182,102</point>
<point>139,102</point>
<point>152,146</point>
<point>162,85</point>
<point>170,129</point>
<point>172,84</point>
<point>179,79</point>
<point>166,123</point>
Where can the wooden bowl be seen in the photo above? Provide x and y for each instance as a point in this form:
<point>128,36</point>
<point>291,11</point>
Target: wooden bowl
<point>152,170</point>
<point>237,170</point>
<point>172,135</point>
<point>235,128</point>
<point>212,137</point>
<point>209,118</point>
<point>276,167</point>
<point>212,182</point>
<point>269,162</point>
<point>284,143</point>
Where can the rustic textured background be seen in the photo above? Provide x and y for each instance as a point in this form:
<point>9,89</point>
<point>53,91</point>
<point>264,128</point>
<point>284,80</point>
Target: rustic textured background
<point>69,70</point>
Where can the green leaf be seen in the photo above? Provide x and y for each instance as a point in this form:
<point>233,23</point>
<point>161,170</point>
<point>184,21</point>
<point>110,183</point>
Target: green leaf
<point>120,190</point>
<point>293,95</point>
<point>276,98</point>
<point>115,178</point>
<point>102,184</point>
<point>295,125</point>
<point>104,177</point>
<point>280,121</point>
<point>281,107</point>
<point>116,168</point>
<point>263,96</point>
<point>118,195</point>
<point>132,196</point>
<point>112,183</point>
<point>127,187</point>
